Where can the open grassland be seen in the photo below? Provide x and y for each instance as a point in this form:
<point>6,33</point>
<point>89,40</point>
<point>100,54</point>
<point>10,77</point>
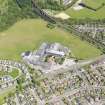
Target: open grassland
<point>87,13</point>
<point>29,34</point>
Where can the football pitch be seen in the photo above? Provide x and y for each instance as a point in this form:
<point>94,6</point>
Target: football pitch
<point>29,34</point>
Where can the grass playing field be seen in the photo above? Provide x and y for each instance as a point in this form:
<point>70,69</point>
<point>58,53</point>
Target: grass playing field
<point>29,34</point>
<point>86,13</point>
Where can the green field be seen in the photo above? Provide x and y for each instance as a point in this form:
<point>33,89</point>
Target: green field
<point>86,13</point>
<point>29,34</point>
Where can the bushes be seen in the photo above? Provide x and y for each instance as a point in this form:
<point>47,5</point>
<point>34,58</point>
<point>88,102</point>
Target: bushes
<point>50,25</point>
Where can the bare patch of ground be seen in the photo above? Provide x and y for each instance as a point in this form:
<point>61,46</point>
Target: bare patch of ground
<point>62,15</point>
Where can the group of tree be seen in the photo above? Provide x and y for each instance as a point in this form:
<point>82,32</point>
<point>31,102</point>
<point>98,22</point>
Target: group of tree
<point>10,12</point>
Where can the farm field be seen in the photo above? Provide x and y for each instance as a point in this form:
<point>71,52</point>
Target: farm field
<point>29,34</point>
<point>87,13</point>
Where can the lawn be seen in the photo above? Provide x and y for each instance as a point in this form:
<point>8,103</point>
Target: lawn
<point>14,73</point>
<point>29,34</point>
<point>86,13</point>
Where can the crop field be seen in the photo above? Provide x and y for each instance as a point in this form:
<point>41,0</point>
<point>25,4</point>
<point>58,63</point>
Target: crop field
<point>29,34</point>
<point>87,13</point>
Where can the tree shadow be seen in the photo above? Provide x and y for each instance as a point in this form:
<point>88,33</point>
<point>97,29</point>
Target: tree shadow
<point>91,8</point>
